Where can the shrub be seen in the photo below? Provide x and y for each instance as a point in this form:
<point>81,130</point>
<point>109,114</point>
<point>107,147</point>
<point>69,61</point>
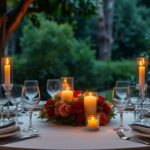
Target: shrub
<point>109,72</point>
<point>51,51</point>
<point>131,25</point>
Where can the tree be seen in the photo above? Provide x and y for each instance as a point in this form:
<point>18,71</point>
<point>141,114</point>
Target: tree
<point>59,10</point>
<point>131,27</point>
<point>10,21</point>
<point>105,29</point>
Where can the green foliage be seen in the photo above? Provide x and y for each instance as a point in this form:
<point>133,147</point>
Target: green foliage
<point>109,72</point>
<point>65,10</point>
<point>131,25</point>
<point>51,51</point>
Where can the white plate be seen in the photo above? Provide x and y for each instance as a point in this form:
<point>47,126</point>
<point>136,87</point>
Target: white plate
<point>16,132</point>
<point>137,133</point>
<point>8,129</point>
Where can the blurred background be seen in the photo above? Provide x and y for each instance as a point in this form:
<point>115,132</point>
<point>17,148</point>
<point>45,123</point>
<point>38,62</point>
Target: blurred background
<point>94,41</point>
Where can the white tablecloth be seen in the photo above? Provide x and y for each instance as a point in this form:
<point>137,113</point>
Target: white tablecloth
<point>65,137</point>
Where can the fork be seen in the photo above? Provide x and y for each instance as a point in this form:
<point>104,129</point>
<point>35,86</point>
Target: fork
<point>124,137</point>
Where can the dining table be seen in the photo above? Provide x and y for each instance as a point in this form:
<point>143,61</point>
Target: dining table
<point>62,137</point>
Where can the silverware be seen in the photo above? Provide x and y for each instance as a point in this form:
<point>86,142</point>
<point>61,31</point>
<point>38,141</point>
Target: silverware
<point>17,139</point>
<point>124,137</point>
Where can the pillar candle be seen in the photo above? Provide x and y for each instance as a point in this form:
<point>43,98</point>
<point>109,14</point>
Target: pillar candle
<point>141,74</point>
<point>7,72</point>
<point>92,122</point>
<point>90,103</point>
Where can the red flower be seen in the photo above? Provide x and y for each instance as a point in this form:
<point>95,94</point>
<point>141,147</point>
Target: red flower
<point>49,108</point>
<point>106,107</point>
<point>77,108</point>
<point>50,112</point>
<point>100,100</point>
<point>56,110</point>
<point>77,93</point>
<point>63,110</point>
<point>80,119</point>
<point>104,118</point>
<point>48,104</point>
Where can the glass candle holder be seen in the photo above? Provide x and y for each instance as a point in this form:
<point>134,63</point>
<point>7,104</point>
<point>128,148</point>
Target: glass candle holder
<point>7,72</point>
<point>142,93</point>
<point>92,122</point>
<point>67,83</point>
<point>90,103</point>
<point>141,69</point>
<point>67,87</point>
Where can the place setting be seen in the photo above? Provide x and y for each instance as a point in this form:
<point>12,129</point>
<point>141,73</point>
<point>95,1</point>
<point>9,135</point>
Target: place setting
<point>137,97</point>
<point>26,96</point>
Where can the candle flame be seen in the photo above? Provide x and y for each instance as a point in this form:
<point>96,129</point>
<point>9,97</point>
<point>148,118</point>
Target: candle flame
<point>65,80</point>
<point>92,118</point>
<point>7,61</point>
<point>142,62</point>
<point>90,94</point>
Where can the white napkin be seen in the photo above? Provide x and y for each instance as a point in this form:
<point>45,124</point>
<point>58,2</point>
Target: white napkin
<point>140,127</point>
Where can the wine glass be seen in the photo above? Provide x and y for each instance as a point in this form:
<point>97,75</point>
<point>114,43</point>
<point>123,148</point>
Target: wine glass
<point>120,97</point>
<point>53,87</point>
<point>124,83</point>
<point>15,99</point>
<point>3,101</point>
<point>136,101</point>
<point>146,107</point>
<point>30,98</point>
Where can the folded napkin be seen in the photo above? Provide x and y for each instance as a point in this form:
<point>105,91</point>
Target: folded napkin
<point>8,128</point>
<point>140,127</point>
<point>7,124</point>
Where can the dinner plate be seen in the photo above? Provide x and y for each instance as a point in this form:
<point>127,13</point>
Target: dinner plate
<point>141,134</point>
<point>10,134</point>
<point>8,129</point>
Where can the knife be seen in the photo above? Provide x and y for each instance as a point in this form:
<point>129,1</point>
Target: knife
<point>17,139</point>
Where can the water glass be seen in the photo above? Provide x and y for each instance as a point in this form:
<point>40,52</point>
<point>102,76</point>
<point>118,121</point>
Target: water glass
<point>3,101</point>
<point>30,98</point>
<point>53,87</point>
<point>15,99</point>
<point>122,83</point>
<point>136,101</point>
<point>120,97</point>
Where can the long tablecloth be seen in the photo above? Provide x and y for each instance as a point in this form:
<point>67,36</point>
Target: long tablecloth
<point>59,137</point>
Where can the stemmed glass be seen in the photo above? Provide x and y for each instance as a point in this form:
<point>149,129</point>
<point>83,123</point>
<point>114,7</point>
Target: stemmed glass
<point>3,101</point>
<point>30,98</point>
<point>124,83</point>
<point>135,100</point>
<point>53,87</point>
<point>120,97</point>
<point>146,107</point>
<point>15,99</point>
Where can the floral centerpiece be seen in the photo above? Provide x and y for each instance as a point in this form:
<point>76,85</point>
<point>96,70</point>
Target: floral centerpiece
<point>72,112</point>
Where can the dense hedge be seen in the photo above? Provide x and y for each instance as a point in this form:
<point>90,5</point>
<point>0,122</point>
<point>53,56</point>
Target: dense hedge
<point>104,76</point>
<point>51,51</point>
